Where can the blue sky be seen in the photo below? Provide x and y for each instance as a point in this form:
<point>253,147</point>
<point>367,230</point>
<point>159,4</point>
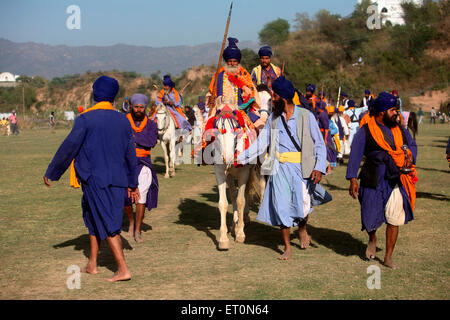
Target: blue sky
<point>149,22</point>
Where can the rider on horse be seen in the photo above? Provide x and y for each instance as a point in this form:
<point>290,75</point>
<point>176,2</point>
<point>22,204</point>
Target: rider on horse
<point>170,97</point>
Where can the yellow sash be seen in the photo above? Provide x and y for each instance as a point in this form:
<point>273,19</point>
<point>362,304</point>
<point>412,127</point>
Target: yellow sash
<point>291,157</point>
<point>104,105</point>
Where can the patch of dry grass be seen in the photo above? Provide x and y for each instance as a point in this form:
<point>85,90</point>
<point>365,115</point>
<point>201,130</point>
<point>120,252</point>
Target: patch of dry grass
<point>42,233</point>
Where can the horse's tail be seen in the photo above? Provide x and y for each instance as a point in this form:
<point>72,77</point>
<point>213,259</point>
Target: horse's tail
<point>255,193</point>
<point>412,123</point>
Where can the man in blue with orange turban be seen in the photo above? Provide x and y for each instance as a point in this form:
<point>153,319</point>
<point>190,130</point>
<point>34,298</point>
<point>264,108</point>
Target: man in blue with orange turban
<point>102,144</point>
<point>387,193</point>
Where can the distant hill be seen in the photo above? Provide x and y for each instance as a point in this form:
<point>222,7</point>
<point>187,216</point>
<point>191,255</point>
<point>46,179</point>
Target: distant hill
<point>55,61</point>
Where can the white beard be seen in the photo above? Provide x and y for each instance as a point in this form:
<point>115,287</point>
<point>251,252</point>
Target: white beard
<point>231,69</point>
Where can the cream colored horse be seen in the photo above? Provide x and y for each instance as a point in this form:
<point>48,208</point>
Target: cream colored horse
<point>227,141</point>
<point>167,138</point>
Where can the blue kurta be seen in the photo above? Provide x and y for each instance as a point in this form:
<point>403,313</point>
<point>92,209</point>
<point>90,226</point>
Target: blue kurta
<point>146,139</point>
<point>102,144</point>
<point>373,201</point>
<point>283,197</point>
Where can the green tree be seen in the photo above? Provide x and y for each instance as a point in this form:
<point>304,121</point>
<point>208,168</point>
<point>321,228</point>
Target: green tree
<point>250,59</point>
<point>275,32</point>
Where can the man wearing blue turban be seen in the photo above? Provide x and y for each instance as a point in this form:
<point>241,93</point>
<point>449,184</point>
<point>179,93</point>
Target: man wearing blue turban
<point>295,164</point>
<point>311,97</point>
<point>233,84</point>
<point>265,73</point>
<point>171,98</point>
<point>354,114</point>
<point>387,191</point>
<point>102,144</point>
<point>145,134</point>
<point>367,100</point>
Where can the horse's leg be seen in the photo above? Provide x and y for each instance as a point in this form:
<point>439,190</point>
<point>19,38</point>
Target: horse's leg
<point>166,157</point>
<point>242,181</point>
<point>232,190</point>
<point>172,158</point>
<point>224,242</point>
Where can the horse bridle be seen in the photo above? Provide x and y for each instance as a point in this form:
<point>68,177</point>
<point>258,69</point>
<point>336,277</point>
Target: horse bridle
<point>166,120</point>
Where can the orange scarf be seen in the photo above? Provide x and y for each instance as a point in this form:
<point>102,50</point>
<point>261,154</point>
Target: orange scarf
<point>141,126</point>
<point>139,152</point>
<point>364,120</point>
<point>408,180</point>
<point>103,105</point>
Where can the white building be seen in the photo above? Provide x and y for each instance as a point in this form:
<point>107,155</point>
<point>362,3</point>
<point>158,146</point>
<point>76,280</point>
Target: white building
<point>391,10</point>
<point>7,77</point>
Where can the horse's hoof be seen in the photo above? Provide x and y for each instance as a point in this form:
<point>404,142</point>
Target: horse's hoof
<point>166,176</point>
<point>224,245</point>
<point>240,239</point>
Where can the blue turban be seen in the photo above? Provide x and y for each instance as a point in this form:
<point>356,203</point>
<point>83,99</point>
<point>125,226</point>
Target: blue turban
<point>139,98</point>
<point>232,51</point>
<point>105,89</point>
<point>265,51</point>
<point>344,94</point>
<point>351,103</point>
<point>384,101</point>
<point>311,88</point>
<point>321,105</point>
<point>168,82</point>
<point>367,92</point>
<point>284,88</point>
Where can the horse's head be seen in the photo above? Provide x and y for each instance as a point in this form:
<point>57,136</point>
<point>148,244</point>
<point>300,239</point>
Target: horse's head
<point>162,118</point>
<point>227,124</point>
<point>266,100</point>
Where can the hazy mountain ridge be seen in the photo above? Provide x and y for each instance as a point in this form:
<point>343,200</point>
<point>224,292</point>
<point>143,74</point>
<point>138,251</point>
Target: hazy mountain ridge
<point>54,61</point>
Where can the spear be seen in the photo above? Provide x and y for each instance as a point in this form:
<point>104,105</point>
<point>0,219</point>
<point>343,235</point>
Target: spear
<point>220,57</point>
<point>339,95</point>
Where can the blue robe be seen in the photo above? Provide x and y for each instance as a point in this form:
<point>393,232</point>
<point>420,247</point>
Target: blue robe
<point>102,144</point>
<point>146,139</point>
<point>283,197</point>
<point>373,201</point>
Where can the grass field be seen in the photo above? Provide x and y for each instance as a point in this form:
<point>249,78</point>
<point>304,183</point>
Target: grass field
<point>42,233</point>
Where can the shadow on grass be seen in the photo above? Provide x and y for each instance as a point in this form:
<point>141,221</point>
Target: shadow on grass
<point>206,218</point>
<point>105,256</point>
<point>432,169</point>
<point>332,187</point>
<point>340,242</point>
<point>432,196</point>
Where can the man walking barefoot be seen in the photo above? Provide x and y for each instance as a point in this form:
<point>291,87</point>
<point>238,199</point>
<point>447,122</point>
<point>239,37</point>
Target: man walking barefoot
<point>102,144</point>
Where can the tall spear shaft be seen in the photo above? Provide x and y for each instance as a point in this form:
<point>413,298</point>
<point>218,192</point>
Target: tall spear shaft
<point>221,53</point>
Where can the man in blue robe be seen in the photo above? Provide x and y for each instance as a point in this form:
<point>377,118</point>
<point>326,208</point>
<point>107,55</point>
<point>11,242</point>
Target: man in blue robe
<point>102,144</point>
<point>145,133</point>
<point>295,164</point>
<point>380,176</point>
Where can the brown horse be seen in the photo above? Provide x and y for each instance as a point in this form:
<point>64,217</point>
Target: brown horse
<point>412,124</point>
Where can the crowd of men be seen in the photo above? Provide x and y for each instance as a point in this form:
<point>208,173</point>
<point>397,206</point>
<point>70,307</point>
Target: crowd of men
<point>301,137</point>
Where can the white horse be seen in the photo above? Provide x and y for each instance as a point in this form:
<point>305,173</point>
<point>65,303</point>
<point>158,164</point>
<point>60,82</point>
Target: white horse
<point>225,144</point>
<point>167,137</point>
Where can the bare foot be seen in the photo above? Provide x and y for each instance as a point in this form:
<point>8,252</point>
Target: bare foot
<point>120,276</point>
<point>91,269</point>
<point>138,237</point>
<point>371,250</point>
<point>389,263</point>
<point>130,233</point>
<point>305,241</point>
<point>286,255</point>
